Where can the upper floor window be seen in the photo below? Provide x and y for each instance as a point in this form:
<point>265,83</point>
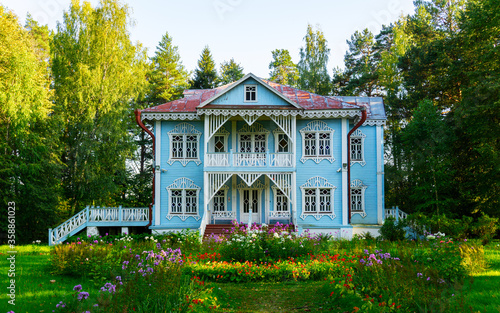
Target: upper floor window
<point>184,144</point>
<point>317,142</point>
<point>357,147</point>
<point>250,93</point>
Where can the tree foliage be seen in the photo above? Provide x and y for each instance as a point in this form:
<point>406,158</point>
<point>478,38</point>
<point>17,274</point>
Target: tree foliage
<point>168,77</point>
<point>230,71</point>
<point>283,70</point>
<point>98,73</point>
<point>205,75</point>
<point>29,171</point>
<point>312,67</point>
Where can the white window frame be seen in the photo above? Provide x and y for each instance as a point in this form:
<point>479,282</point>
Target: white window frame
<point>184,184</point>
<point>184,130</point>
<point>358,134</point>
<point>249,92</point>
<point>317,183</point>
<point>222,132</point>
<point>316,128</point>
<point>357,184</point>
<point>255,129</point>
<point>224,189</point>
<point>277,132</point>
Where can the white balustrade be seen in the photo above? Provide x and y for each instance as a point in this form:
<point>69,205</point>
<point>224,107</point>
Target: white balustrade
<point>224,215</point>
<point>217,159</point>
<point>281,159</point>
<point>279,215</point>
<point>250,159</point>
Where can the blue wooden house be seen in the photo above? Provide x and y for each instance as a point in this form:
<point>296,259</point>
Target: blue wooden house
<point>257,151</point>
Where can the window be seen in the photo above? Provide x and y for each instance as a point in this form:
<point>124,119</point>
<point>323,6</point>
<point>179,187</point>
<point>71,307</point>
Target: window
<point>184,144</point>
<point>282,142</point>
<point>253,139</point>
<point>183,197</point>
<point>358,198</point>
<point>357,151</point>
<point>317,141</point>
<point>317,198</point>
<point>219,144</point>
<point>219,201</point>
<point>280,201</point>
<point>250,93</point>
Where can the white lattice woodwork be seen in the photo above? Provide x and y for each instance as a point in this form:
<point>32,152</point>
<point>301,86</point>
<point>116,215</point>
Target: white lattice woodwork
<point>284,182</point>
<point>249,178</point>
<point>214,123</point>
<point>285,123</point>
<point>215,182</point>
<point>250,119</point>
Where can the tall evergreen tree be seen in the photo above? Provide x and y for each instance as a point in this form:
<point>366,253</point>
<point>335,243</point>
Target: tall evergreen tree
<point>361,60</point>
<point>168,78</point>
<point>313,62</point>
<point>283,70</point>
<point>230,71</point>
<point>205,76</point>
<point>29,155</point>
<point>98,73</point>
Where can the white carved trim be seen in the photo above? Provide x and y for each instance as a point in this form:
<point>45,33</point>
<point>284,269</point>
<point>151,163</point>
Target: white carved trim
<point>374,123</point>
<point>331,113</point>
<point>317,182</point>
<point>283,181</point>
<point>285,123</point>
<point>215,123</point>
<point>359,134</point>
<point>249,178</point>
<point>246,112</point>
<point>255,128</point>
<point>184,129</point>
<point>170,116</point>
<point>357,183</point>
<point>215,182</point>
<point>317,127</point>
<point>250,119</point>
<point>279,215</point>
<point>183,183</point>
<point>224,215</point>
<point>256,185</point>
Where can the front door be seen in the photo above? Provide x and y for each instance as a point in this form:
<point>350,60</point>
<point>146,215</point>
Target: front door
<point>251,200</point>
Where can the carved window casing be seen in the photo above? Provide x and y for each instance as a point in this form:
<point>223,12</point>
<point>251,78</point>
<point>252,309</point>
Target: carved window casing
<point>250,93</point>
<point>317,142</point>
<point>317,198</point>
<point>358,198</point>
<point>358,148</point>
<point>183,199</point>
<point>184,144</point>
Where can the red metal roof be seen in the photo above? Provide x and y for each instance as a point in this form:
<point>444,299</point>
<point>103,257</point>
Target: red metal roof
<point>305,99</point>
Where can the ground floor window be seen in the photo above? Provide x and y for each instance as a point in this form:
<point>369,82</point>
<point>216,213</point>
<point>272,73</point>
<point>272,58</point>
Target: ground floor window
<point>317,198</point>
<point>183,199</point>
<point>358,198</point>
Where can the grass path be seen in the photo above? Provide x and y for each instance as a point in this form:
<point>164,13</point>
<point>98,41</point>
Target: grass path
<point>272,297</point>
<point>484,291</point>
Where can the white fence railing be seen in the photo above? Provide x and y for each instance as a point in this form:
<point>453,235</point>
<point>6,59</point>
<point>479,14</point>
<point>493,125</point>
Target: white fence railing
<point>95,215</point>
<point>249,159</point>
<point>396,213</point>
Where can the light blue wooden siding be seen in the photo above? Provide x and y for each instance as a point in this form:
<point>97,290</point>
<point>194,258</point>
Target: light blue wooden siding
<point>236,96</point>
<point>367,174</point>
<point>324,169</point>
<point>177,170</point>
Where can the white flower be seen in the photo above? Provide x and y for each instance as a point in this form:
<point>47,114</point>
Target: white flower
<point>431,237</point>
<point>254,235</point>
<point>276,235</point>
<point>147,238</point>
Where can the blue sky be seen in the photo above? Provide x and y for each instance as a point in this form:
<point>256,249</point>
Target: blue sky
<point>246,30</point>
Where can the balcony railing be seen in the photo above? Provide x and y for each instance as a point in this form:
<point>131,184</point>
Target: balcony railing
<point>249,159</point>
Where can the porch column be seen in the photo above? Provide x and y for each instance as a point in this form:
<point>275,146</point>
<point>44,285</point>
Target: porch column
<point>157,215</point>
<point>345,196</point>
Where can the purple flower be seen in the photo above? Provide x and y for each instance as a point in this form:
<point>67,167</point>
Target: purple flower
<point>428,278</point>
<point>118,278</point>
<point>83,295</point>
<point>77,288</point>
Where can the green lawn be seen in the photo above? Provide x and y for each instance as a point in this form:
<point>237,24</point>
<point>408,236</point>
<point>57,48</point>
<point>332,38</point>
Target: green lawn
<point>484,291</point>
<point>34,290</point>
<point>36,293</point>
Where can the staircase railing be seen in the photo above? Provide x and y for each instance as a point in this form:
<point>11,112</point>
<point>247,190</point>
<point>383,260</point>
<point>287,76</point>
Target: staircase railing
<point>76,223</point>
<point>396,213</point>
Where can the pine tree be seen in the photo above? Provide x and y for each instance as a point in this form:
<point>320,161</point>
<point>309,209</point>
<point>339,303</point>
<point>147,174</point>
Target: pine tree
<point>283,70</point>
<point>313,62</point>
<point>230,71</point>
<point>168,78</point>
<point>205,76</point>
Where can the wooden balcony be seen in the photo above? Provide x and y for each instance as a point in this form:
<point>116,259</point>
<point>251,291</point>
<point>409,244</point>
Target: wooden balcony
<point>249,160</point>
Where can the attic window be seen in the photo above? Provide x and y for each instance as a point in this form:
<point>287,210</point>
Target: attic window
<point>250,93</point>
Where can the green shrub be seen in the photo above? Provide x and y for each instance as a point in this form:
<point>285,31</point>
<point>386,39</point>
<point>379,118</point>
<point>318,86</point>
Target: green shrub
<point>485,228</point>
<point>392,230</point>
